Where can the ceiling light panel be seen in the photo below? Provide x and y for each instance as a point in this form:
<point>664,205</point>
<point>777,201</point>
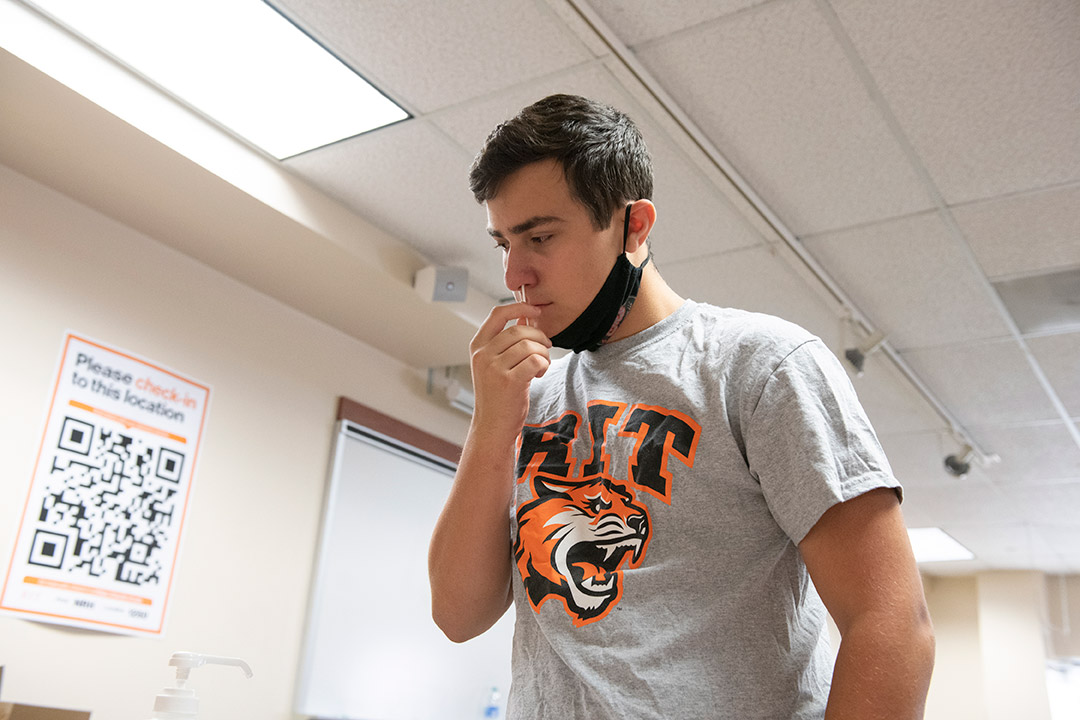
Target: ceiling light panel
<point>1043,303</point>
<point>240,63</point>
<point>935,545</point>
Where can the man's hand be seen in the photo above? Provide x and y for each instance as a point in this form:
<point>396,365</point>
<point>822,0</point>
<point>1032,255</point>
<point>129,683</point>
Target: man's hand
<point>505,359</point>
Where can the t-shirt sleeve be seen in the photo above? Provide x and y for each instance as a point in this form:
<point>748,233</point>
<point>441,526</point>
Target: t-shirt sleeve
<point>809,443</point>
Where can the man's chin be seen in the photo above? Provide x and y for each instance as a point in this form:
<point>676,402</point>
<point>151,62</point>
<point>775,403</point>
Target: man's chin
<point>551,326</point>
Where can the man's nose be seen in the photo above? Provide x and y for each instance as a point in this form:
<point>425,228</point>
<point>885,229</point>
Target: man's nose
<point>517,269</point>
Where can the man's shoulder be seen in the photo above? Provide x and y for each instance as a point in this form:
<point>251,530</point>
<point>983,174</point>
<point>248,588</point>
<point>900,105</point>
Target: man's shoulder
<point>746,330</point>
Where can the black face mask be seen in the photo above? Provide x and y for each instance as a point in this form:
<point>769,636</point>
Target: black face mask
<point>605,313</point>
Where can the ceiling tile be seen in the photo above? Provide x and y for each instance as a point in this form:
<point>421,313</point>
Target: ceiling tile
<point>692,218</point>
<point>913,279</point>
<point>988,91</point>
<point>953,503</point>
<point>1032,453</point>
<point>918,459</point>
<point>891,402</point>
<point>754,279</point>
<point>1059,358</point>
<point>635,21</point>
<point>1000,546</point>
<point>1023,234</point>
<point>470,122</point>
<point>777,96</point>
<point>1065,542</point>
<point>965,502</point>
<point>439,53</point>
<point>983,383</point>
<point>433,211</point>
<point>916,513</point>
<point>1053,505</point>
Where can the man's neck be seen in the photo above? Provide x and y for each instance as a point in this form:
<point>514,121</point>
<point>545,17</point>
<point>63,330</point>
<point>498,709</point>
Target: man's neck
<point>655,301</point>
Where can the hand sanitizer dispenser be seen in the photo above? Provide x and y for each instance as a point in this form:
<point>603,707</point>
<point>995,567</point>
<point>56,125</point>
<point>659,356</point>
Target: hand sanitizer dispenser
<point>180,703</point>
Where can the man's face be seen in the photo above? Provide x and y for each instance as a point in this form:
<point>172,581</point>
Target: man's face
<point>549,243</point>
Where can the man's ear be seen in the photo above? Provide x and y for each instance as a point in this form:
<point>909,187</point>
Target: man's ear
<point>642,219</point>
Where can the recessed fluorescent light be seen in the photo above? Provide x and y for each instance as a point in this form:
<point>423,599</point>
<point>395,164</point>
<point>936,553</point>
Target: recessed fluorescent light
<point>240,63</point>
<point>935,545</point>
<point>1047,302</point>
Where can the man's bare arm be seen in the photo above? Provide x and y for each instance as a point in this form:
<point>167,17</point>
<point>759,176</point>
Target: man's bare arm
<point>469,560</point>
<point>860,560</point>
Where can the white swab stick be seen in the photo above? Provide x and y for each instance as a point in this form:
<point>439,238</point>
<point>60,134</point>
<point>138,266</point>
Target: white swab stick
<point>521,298</point>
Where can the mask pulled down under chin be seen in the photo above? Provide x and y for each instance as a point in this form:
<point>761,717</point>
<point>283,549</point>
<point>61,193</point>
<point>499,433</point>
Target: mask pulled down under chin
<point>605,313</point>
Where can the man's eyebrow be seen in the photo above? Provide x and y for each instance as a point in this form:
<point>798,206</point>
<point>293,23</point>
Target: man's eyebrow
<point>526,226</point>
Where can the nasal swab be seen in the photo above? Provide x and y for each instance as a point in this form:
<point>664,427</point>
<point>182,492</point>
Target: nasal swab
<point>521,298</point>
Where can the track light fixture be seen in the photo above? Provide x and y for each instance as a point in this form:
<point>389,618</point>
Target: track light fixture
<point>959,464</point>
<point>857,355</point>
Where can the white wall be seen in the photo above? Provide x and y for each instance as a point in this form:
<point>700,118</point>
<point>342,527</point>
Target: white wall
<point>1012,633</point>
<point>241,584</point>
<point>956,689</point>
<point>1063,615</point>
<point>991,631</point>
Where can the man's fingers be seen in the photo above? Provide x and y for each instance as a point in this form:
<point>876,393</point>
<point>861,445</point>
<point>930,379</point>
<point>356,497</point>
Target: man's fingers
<point>526,359</point>
<point>498,319</point>
<point>507,338</point>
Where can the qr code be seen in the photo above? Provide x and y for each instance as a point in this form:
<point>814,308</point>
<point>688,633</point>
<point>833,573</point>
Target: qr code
<point>109,504</point>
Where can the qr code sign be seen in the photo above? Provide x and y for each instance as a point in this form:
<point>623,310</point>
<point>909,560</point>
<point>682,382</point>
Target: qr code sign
<point>109,504</point>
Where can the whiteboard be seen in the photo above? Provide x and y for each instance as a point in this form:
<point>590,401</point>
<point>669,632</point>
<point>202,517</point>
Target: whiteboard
<point>371,650</point>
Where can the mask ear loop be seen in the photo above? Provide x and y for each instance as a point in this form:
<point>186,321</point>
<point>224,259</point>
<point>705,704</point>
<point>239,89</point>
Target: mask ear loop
<point>626,235</point>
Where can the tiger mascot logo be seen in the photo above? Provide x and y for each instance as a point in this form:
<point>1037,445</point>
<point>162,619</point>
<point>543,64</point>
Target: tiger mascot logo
<point>573,539</point>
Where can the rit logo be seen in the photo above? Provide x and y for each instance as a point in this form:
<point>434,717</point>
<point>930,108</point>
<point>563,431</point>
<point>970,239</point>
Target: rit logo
<point>658,435</point>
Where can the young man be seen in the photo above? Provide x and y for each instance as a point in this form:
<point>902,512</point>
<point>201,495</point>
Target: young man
<point>655,504</point>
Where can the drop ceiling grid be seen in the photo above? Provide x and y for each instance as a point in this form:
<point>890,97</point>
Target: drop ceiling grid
<point>1059,358</point>
<point>778,97</point>
<point>1024,234</point>
<point>1034,453</point>
<point>912,279</point>
<point>439,53</point>
<point>983,383</point>
<point>987,91</point>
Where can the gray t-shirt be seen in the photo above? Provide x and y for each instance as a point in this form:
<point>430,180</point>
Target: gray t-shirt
<point>664,482</point>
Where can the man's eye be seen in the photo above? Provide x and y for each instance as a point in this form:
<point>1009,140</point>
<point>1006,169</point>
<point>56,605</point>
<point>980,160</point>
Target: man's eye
<point>501,246</point>
<point>537,239</point>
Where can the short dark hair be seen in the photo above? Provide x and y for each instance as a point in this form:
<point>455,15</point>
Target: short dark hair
<point>600,149</point>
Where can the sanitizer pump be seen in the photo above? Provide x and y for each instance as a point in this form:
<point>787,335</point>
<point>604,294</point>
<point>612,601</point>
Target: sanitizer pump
<point>180,703</point>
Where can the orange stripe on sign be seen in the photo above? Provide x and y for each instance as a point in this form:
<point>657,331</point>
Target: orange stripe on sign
<point>58,585</point>
<point>127,422</point>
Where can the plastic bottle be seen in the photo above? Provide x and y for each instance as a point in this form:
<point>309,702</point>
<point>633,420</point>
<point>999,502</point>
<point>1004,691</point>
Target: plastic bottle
<point>180,703</point>
<point>491,709</point>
